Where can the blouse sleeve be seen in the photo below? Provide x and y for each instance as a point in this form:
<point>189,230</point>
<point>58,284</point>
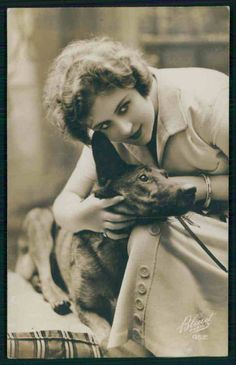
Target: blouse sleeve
<point>212,119</point>
<point>219,122</point>
<point>84,175</point>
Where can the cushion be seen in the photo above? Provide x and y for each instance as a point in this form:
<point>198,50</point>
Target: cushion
<point>51,345</point>
<point>36,331</point>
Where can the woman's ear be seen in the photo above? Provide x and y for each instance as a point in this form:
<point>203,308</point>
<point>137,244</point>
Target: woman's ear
<point>108,163</point>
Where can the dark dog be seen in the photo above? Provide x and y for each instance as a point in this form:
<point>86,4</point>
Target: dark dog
<point>91,267</point>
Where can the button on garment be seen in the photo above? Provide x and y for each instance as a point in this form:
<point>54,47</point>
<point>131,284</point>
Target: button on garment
<point>138,319</point>
<point>139,304</point>
<point>144,272</point>
<point>155,229</point>
<point>136,335</point>
<point>142,288</point>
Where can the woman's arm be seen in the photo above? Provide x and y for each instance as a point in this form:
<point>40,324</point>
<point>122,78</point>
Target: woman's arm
<point>66,207</point>
<point>219,185</point>
<point>214,130</point>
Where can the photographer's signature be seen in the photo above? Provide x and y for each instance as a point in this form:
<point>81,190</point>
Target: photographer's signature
<point>194,324</point>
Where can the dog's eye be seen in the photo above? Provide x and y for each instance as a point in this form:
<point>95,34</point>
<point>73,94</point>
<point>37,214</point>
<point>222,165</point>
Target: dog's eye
<point>143,177</point>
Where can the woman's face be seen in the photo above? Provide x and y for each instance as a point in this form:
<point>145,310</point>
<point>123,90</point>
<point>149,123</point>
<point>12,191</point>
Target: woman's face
<point>123,115</point>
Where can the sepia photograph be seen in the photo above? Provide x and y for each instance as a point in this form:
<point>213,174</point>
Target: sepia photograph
<point>117,175</point>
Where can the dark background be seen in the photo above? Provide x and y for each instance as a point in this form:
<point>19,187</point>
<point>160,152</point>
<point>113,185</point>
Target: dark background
<point>39,160</point>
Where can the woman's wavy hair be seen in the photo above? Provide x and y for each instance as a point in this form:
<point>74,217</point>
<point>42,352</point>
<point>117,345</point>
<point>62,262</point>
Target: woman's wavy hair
<point>85,69</point>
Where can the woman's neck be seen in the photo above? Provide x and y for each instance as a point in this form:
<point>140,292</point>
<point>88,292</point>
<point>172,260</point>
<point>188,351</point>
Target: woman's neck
<point>154,97</point>
<point>154,94</point>
<point>152,144</point>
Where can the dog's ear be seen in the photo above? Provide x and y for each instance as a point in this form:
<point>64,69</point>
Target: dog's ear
<point>105,191</point>
<point>108,163</point>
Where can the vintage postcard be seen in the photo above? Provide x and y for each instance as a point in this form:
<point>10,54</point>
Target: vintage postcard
<point>118,168</point>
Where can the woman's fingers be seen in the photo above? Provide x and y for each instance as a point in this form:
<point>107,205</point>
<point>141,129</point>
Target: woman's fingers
<point>116,226</point>
<point>112,217</point>
<point>112,201</point>
<point>116,236</point>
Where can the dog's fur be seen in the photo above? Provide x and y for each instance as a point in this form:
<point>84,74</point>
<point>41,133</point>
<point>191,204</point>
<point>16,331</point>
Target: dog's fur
<point>85,268</point>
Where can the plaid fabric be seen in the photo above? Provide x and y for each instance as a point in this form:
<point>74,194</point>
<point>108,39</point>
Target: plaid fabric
<point>51,345</point>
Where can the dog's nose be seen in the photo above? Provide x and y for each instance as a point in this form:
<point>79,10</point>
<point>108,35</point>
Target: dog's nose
<point>188,190</point>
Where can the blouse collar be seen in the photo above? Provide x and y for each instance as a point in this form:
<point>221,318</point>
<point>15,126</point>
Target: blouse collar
<point>171,119</point>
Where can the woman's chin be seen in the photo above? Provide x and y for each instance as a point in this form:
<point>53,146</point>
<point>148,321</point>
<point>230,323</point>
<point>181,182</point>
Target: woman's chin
<point>143,140</point>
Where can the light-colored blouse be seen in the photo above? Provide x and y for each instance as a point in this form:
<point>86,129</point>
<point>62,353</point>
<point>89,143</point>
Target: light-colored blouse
<point>173,298</point>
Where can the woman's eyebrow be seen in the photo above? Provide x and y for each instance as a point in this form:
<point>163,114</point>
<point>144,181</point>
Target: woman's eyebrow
<point>116,109</point>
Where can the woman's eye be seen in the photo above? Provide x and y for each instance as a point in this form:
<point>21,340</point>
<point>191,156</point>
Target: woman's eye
<point>123,109</point>
<point>143,178</point>
<point>104,126</point>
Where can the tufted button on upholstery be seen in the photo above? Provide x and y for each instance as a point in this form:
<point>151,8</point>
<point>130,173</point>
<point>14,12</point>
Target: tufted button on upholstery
<point>136,335</point>
<point>137,319</point>
<point>144,272</point>
<point>154,229</point>
<point>139,304</point>
<point>142,288</point>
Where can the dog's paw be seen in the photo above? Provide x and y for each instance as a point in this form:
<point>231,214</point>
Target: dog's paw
<point>36,283</point>
<point>56,297</point>
<point>62,307</point>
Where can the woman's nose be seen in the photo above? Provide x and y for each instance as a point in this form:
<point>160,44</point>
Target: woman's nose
<point>124,127</point>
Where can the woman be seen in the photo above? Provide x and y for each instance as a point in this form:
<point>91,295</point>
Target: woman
<point>176,119</point>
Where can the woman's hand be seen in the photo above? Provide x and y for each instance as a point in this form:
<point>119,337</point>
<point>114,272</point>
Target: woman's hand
<point>74,214</point>
<point>95,217</point>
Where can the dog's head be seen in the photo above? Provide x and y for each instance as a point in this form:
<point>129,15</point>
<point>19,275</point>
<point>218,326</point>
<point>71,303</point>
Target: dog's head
<point>148,192</point>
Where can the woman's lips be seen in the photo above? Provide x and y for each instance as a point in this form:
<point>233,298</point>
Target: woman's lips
<point>137,134</point>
